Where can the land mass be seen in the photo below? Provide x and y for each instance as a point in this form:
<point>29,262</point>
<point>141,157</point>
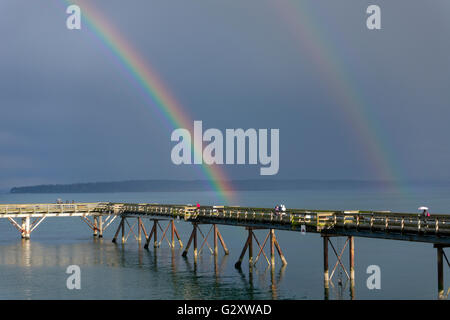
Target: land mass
<point>194,185</point>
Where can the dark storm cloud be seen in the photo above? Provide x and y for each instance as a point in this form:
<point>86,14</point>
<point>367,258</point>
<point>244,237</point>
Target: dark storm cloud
<point>69,113</point>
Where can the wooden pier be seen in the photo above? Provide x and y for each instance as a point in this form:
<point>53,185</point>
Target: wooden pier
<point>329,224</point>
<point>39,212</point>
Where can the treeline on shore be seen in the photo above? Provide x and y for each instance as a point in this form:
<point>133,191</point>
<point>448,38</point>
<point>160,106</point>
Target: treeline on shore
<point>194,185</point>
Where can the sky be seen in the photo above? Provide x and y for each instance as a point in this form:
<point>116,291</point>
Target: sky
<point>350,103</point>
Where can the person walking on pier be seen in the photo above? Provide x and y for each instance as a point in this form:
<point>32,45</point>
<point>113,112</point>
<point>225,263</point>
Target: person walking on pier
<point>425,212</point>
<point>277,209</point>
<point>280,209</point>
<point>283,209</point>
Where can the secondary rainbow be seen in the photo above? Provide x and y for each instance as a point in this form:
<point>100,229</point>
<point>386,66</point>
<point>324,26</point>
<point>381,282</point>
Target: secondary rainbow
<point>154,89</point>
<point>299,18</point>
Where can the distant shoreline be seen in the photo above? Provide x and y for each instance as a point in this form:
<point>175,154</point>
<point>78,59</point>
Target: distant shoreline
<point>202,185</point>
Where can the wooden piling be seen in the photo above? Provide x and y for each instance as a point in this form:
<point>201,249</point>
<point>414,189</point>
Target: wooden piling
<point>95,228</point>
<point>272,248</point>
<point>440,271</point>
<point>250,246</point>
<point>178,237</point>
<point>100,226</point>
<point>192,239</point>
<point>25,232</point>
<point>155,233</point>
<point>238,264</point>
<point>326,277</point>
<point>172,229</point>
<point>149,238</point>
<point>123,230</point>
<point>114,240</point>
<point>195,240</point>
<point>188,244</point>
<point>352,258</point>
<point>139,229</point>
<point>280,253</point>
<point>224,246</point>
<point>216,249</point>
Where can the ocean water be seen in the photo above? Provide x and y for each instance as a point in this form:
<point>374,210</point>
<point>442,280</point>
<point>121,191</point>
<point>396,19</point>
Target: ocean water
<point>36,269</point>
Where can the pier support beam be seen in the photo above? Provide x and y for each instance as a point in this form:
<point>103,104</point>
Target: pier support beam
<point>238,264</point>
<point>217,238</point>
<point>142,231</point>
<point>100,226</point>
<point>172,233</point>
<point>280,253</point>
<point>222,242</point>
<point>349,241</point>
<point>440,270</point>
<point>192,238</point>
<point>95,228</point>
<point>175,232</point>
<point>120,227</point>
<point>351,254</point>
<point>326,277</point>
<point>123,229</point>
<point>249,245</point>
<point>272,248</point>
<point>154,234</point>
<point>216,249</point>
<point>139,237</point>
<point>26,228</point>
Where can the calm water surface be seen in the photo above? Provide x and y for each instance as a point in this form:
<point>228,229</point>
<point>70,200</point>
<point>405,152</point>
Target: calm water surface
<point>35,269</point>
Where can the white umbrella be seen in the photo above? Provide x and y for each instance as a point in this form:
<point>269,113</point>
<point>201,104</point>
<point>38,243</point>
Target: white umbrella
<point>422,208</point>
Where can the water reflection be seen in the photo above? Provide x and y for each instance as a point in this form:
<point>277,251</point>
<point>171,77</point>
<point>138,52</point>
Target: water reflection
<point>339,290</point>
<point>33,254</point>
<point>130,271</point>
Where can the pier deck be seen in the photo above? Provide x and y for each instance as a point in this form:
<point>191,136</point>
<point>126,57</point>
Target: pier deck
<point>51,210</point>
<point>372,224</point>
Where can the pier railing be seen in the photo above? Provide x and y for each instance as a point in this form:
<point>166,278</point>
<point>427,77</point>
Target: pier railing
<point>394,222</point>
<point>35,210</point>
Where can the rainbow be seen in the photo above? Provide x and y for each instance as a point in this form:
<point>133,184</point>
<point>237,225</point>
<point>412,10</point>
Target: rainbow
<point>298,18</point>
<point>153,88</point>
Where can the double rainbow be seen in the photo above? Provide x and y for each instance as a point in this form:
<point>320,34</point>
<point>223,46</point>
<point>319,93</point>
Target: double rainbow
<point>297,15</point>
